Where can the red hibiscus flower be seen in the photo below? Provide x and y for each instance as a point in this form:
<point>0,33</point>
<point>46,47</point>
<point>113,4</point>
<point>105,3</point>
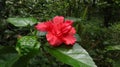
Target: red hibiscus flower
<point>58,31</point>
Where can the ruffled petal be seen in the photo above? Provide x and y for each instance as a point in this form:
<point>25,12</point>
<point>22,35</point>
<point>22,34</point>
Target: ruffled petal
<point>69,40</point>
<point>53,40</point>
<point>58,19</point>
<point>41,27</point>
<point>72,31</point>
<point>69,22</point>
<point>44,26</point>
<point>66,27</point>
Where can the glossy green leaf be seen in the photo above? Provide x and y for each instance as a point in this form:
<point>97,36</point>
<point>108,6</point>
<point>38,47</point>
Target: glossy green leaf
<point>8,56</point>
<point>115,47</point>
<point>27,44</point>
<point>75,56</point>
<point>22,22</point>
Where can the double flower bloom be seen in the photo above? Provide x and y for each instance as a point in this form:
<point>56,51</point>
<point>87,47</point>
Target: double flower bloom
<point>58,31</point>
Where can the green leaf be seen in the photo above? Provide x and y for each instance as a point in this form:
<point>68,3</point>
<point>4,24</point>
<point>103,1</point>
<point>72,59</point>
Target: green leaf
<point>40,33</point>
<point>75,56</point>
<point>27,44</point>
<point>22,22</point>
<point>8,56</point>
<point>116,47</point>
<point>74,19</point>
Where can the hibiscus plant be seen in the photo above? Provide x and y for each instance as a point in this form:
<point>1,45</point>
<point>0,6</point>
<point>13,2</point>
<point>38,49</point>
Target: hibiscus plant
<point>58,37</point>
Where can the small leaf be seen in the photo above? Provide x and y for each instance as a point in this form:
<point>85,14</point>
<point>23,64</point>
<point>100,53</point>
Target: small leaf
<point>75,56</point>
<point>27,44</point>
<point>40,33</point>
<point>115,47</point>
<point>74,19</point>
<point>22,22</point>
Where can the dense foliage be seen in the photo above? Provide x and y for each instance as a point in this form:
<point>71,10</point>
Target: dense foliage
<point>98,31</point>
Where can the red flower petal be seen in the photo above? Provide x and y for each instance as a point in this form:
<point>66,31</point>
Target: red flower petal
<point>72,31</point>
<point>53,40</point>
<point>69,40</point>
<point>58,19</point>
<point>67,26</point>
<point>70,22</point>
<point>66,29</point>
<point>44,26</point>
<point>41,27</point>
